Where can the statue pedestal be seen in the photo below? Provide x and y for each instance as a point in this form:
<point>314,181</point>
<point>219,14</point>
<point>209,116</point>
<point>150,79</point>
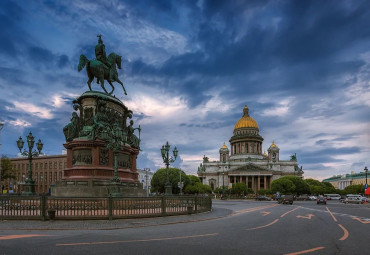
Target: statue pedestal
<point>90,164</point>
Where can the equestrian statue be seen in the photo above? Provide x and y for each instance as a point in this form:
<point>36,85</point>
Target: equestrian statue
<point>103,67</point>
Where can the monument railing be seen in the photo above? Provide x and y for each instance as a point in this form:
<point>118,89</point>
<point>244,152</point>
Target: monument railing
<point>45,207</point>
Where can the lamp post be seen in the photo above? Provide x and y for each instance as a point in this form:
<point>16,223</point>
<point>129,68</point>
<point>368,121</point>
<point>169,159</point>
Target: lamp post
<point>1,185</point>
<point>167,160</point>
<point>29,187</point>
<point>115,145</point>
<point>180,182</point>
<point>146,180</point>
<point>366,178</point>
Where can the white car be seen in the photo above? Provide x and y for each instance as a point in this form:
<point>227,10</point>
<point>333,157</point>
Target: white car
<point>312,198</point>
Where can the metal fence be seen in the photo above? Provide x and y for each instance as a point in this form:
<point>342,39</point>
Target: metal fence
<point>46,207</point>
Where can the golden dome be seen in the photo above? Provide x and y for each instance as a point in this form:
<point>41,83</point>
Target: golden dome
<point>273,145</point>
<point>246,121</point>
<point>224,146</point>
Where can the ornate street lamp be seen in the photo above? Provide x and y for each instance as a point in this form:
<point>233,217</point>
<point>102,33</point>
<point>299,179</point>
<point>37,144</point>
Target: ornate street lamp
<point>167,160</point>
<point>115,145</point>
<point>29,186</point>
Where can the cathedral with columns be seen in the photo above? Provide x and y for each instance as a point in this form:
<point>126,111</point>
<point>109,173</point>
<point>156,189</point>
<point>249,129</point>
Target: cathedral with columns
<point>245,162</point>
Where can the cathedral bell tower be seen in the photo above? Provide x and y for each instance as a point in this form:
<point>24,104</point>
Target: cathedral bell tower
<point>224,154</point>
<point>273,152</point>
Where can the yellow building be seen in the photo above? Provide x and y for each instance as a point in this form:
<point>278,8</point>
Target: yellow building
<point>345,180</point>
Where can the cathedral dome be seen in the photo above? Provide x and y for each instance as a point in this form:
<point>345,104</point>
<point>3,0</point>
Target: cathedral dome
<point>246,121</point>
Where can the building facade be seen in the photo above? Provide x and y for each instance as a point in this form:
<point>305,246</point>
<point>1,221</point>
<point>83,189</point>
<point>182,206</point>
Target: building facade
<point>345,180</point>
<point>245,162</point>
<point>145,177</point>
<point>46,170</point>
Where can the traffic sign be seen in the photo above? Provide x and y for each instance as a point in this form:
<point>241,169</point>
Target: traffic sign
<point>366,186</point>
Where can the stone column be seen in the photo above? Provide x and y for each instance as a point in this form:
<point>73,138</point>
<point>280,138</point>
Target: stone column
<point>253,182</point>
<point>258,183</point>
<point>264,182</point>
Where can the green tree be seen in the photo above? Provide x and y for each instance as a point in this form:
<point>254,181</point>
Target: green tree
<point>329,188</point>
<point>301,187</point>
<point>239,189</point>
<point>8,171</point>
<point>198,188</point>
<point>193,179</point>
<point>354,189</point>
<point>317,187</point>
<point>283,185</point>
<point>159,180</point>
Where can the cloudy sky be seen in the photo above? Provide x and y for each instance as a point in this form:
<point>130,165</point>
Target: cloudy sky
<point>189,67</point>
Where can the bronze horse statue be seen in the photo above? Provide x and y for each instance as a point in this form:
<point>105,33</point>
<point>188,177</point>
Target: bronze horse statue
<point>95,68</point>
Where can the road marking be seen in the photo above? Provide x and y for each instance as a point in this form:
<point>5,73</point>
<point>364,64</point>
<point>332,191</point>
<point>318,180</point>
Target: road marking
<point>335,219</point>
<point>265,213</point>
<point>140,240</point>
<point>19,236</point>
<point>264,225</point>
<point>362,221</point>
<point>345,235</point>
<point>305,217</point>
<point>306,251</point>
<point>288,212</point>
<point>252,209</point>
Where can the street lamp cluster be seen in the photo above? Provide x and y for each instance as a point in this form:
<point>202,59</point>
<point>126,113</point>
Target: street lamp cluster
<point>167,160</point>
<point>29,187</point>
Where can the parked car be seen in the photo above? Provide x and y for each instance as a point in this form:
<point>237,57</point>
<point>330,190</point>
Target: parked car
<point>353,200</point>
<point>303,198</point>
<point>286,199</point>
<point>313,198</point>
<point>321,200</point>
<point>261,198</point>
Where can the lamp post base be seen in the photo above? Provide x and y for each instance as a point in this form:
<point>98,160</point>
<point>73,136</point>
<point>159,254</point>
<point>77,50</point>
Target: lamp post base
<point>29,189</point>
<point>168,189</point>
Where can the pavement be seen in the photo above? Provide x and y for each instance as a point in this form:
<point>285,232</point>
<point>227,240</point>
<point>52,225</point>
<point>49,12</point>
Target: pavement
<point>111,224</point>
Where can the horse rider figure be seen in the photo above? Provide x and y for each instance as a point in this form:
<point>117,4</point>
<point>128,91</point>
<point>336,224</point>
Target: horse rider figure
<point>101,55</point>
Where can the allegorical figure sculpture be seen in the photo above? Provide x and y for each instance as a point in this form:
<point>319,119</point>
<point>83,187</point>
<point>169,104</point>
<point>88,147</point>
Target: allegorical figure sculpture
<point>132,138</point>
<point>72,129</point>
<point>103,67</point>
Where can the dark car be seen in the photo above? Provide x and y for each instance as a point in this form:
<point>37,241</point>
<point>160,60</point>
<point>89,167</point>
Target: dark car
<point>261,198</point>
<point>286,199</point>
<point>321,200</point>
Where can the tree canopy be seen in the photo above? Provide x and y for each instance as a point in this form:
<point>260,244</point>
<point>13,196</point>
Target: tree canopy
<point>159,180</point>
<point>8,171</point>
<point>283,185</point>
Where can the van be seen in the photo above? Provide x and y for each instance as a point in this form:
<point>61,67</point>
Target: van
<point>332,196</point>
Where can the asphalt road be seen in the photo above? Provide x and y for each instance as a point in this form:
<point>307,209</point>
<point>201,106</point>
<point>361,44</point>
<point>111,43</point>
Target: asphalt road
<point>234,227</point>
